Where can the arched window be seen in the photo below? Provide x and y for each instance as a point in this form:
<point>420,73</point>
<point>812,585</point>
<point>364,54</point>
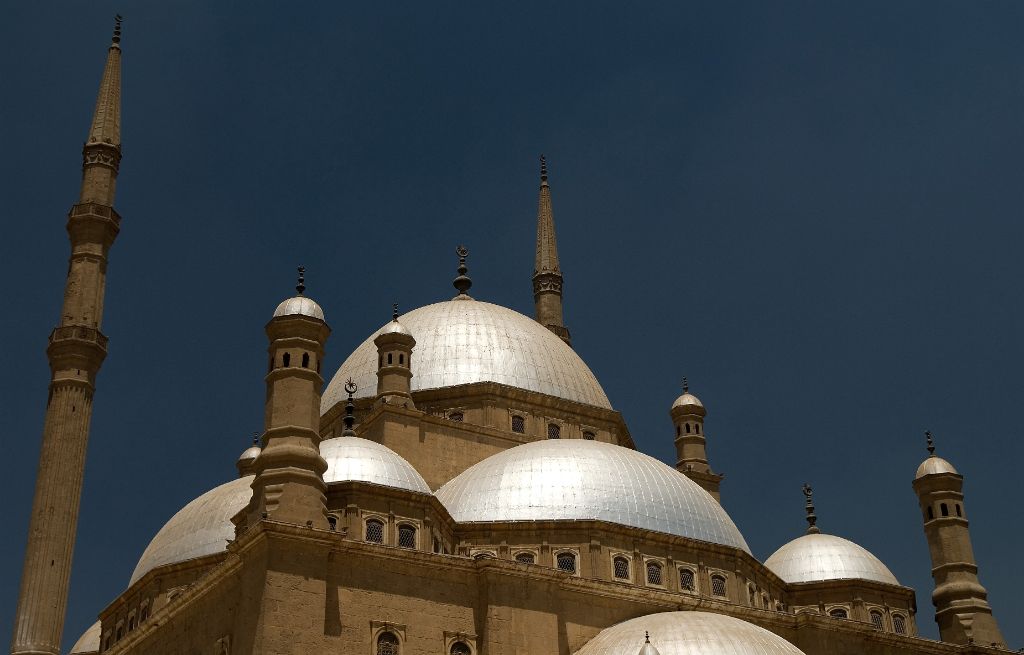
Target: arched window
<point>899,624</point>
<point>752,596</point>
<point>686,580</point>
<point>518,424</point>
<point>588,435</point>
<point>620,566</point>
<point>653,573</point>
<point>406,536</point>
<point>460,648</point>
<point>305,360</point>
<point>838,613</point>
<point>456,416</point>
<point>270,365</point>
<point>931,514</point>
<point>554,431</point>
<point>387,644</point>
<point>696,428</point>
<point>679,430</point>
<point>390,355</point>
<point>401,358</point>
<point>944,508</point>
<point>687,428</point>
<point>332,522</point>
<point>144,613</point>
<point>437,545</point>
<point>876,620</point>
<point>375,531</point>
<point>286,360</point>
<point>566,562</point>
<point>484,555</point>
<point>765,602</point>
<point>718,585</point>
<point>525,558</point>
<point>959,512</point>
<point>131,623</point>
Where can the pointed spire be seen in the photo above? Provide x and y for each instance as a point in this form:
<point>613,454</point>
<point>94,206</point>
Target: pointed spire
<point>931,442</point>
<point>106,120</point>
<point>547,275</point>
<point>812,518</point>
<point>350,409</point>
<point>462,282</point>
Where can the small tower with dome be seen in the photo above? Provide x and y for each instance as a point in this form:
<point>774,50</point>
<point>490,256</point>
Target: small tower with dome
<point>289,485</point>
<point>961,606</point>
<point>394,363</point>
<point>247,459</point>
<point>691,445</point>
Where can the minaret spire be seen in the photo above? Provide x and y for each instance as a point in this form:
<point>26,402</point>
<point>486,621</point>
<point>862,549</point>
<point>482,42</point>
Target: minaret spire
<point>75,352</point>
<point>547,276</point>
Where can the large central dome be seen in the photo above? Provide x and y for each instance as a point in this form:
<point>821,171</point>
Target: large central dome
<point>464,341</point>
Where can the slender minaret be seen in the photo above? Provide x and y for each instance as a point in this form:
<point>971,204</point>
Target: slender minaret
<point>691,445</point>
<point>394,363</point>
<point>289,485</point>
<point>961,606</point>
<point>547,276</point>
<point>76,351</point>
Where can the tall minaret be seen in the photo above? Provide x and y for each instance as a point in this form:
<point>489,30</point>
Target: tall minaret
<point>289,485</point>
<point>961,606</point>
<point>76,351</point>
<point>547,276</point>
<point>691,444</point>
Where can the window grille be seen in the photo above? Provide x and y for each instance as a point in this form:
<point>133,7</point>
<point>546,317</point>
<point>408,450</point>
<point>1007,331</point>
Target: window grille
<point>460,648</point>
<point>518,424</point>
<point>588,435</point>
<point>387,644</point>
<point>653,573</point>
<point>456,416</point>
<point>525,558</point>
<point>484,555</point>
<point>718,585</point>
<point>375,531</point>
<point>566,562</point>
<point>406,536</point>
<point>554,431</point>
<point>686,580</point>
<point>899,624</point>
<point>621,566</point>
<point>839,613</point>
<point>876,620</point>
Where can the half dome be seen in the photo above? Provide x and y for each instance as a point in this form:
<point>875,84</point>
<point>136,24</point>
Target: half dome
<point>353,458</point>
<point>818,557</point>
<point>89,642</point>
<point>689,633</point>
<point>203,527</point>
<point>465,341</point>
<point>577,480</point>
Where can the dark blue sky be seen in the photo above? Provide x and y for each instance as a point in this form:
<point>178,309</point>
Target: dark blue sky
<point>812,209</point>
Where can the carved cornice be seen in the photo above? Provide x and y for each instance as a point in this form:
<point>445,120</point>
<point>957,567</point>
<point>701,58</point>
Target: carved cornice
<point>101,154</point>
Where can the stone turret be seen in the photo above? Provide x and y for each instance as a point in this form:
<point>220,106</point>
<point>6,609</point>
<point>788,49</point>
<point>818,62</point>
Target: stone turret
<point>289,485</point>
<point>76,351</point>
<point>394,363</point>
<point>691,445</point>
<point>547,276</point>
<point>961,606</point>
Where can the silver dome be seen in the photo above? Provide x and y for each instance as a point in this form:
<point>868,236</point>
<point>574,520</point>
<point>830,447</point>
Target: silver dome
<point>465,341</point>
<point>395,327</point>
<point>299,305</point>
<point>817,557</point>
<point>687,399</point>
<point>250,453</point>
<point>576,480</point>
<point>89,642</point>
<point>689,633</point>
<point>932,465</point>
<point>352,458</point>
<point>203,527</point>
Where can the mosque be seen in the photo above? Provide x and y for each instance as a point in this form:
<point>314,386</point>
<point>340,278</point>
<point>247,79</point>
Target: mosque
<point>462,486</point>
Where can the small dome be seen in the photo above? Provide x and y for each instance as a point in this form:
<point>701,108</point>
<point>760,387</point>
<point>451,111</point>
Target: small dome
<point>249,454</point>
<point>395,327</point>
<point>203,527</point>
<point>299,305</point>
<point>689,400</point>
<point>466,341</point>
<point>932,465</point>
<point>577,480</point>
<point>689,633</point>
<point>89,642</point>
<point>818,557</point>
<point>352,458</point>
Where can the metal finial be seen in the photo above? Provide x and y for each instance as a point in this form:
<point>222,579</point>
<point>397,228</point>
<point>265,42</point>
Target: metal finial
<point>301,286</point>
<point>394,311</point>
<point>647,637</point>
<point>812,518</point>
<point>686,385</point>
<point>116,39</point>
<point>255,438</point>
<point>462,282</point>
<point>543,169</point>
<point>350,409</point>
<point>931,442</point>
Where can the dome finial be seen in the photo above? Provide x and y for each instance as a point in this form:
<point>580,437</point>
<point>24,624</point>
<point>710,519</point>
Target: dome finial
<point>255,438</point>
<point>931,443</point>
<point>647,637</point>
<point>394,311</point>
<point>350,408</point>
<point>812,518</point>
<point>543,169</point>
<point>301,286</point>
<point>116,39</point>
<point>462,282</point>
<point>686,385</point>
